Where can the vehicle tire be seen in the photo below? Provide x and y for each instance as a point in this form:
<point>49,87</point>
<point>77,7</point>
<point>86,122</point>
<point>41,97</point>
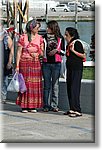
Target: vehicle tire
<point>53,10</point>
<point>65,10</point>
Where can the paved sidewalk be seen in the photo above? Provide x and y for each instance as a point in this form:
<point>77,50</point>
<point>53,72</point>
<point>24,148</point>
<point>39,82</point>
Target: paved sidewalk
<point>44,127</point>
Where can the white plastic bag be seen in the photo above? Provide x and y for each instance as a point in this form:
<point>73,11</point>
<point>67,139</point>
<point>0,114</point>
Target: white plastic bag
<point>63,67</point>
<point>14,84</point>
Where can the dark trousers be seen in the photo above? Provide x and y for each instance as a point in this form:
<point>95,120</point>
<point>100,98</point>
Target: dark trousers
<point>73,88</point>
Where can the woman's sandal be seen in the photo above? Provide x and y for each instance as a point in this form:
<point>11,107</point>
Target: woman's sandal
<point>69,112</point>
<point>45,109</point>
<point>75,114</point>
<point>55,109</point>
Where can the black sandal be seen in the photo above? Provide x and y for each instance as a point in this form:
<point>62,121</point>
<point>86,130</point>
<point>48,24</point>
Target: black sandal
<point>75,114</point>
<point>69,112</point>
<point>55,109</point>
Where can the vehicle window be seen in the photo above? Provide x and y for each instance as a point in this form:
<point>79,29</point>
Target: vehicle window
<point>60,5</point>
<point>79,6</point>
<point>71,3</point>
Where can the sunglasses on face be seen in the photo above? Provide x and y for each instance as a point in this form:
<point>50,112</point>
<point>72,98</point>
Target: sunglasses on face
<point>66,34</point>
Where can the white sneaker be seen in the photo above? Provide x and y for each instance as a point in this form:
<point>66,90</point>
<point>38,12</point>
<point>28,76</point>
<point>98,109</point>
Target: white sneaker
<point>24,111</point>
<point>33,110</point>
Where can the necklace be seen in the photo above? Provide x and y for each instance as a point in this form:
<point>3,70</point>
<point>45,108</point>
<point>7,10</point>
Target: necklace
<point>32,37</point>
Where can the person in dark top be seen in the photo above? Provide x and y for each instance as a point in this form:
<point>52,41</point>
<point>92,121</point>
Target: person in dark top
<point>75,55</point>
<point>54,48</point>
<point>7,52</point>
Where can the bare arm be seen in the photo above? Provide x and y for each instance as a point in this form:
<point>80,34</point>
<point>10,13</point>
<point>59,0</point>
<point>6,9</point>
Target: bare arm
<point>79,54</point>
<point>19,51</point>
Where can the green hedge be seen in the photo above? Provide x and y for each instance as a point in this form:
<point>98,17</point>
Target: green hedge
<point>89,73</point>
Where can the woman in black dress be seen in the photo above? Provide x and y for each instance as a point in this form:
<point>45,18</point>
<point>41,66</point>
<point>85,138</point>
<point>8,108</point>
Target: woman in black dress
<point>75,55</point>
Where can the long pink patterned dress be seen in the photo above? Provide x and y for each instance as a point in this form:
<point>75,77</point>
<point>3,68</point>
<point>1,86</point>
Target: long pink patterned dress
<point>32,73</point>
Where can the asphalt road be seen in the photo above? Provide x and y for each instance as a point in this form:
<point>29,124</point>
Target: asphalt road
<point>41,12</point>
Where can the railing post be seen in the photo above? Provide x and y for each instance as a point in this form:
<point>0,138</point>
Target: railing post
<point>76,13</point>
<point>46,13</point>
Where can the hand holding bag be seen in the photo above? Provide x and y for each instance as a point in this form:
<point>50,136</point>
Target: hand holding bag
<point>14,84</point>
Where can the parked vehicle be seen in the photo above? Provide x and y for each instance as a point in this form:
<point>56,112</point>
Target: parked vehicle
<point>86,7</point>
<point>60,7</point>
<point>72,6</point>
<point>92,6</point>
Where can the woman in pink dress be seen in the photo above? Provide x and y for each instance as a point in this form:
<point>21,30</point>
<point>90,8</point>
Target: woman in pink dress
<point>30,48</point>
